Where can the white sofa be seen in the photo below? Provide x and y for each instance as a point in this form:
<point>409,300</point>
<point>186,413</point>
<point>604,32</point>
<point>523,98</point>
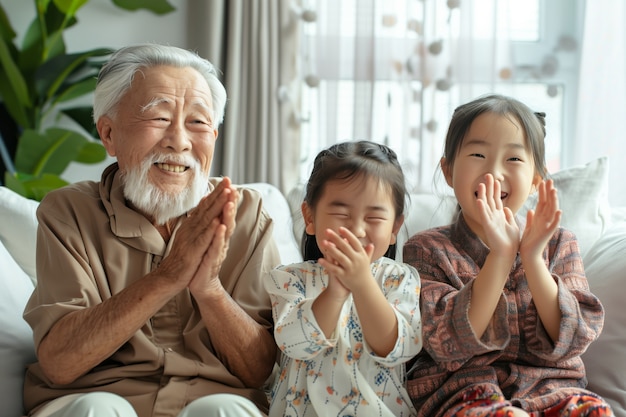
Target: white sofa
<point>583,194</point>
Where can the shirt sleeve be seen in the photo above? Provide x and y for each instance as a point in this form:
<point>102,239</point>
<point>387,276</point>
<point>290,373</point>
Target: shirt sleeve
<point>296,330</point>
<point>582,314</point>
<point>401,286</point>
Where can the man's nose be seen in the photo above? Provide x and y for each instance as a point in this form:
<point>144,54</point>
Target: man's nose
<point>177,137</point>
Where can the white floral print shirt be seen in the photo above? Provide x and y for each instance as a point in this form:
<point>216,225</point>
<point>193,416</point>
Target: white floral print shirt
<point>341,376</point>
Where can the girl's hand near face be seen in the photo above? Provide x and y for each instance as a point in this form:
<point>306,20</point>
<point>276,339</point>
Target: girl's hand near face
<point>349,263</point>
<point>501,230</point>
<point>346,259</point>
<point>542,222</point>
<point>501,234</point>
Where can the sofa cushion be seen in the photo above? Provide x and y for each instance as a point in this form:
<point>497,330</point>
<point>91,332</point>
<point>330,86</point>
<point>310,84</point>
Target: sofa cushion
<point>19,229</point>
<point>16,340</point>
<point>275,204</point>
<point>605,267</point>
<point>584,200</point>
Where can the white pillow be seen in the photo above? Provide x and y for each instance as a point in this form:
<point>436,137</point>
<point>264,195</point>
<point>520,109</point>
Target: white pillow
<point>584,200</point>
<point>425,210</point>
<point>16,338</point>
<point>605,266</point>
<point>277,207</point>
<point>295,197</point>
<point>18,229</point>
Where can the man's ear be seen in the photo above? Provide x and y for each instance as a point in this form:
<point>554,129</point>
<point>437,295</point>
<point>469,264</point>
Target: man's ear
<point>307,215</point>
<point>446,168</point>
<point>105,131</point>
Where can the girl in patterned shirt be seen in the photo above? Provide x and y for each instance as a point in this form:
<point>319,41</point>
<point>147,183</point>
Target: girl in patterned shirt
<point>347,319</point>
<point>506,307</point>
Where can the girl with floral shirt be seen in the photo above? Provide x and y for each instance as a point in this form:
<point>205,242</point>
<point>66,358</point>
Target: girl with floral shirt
<point>347,319</point>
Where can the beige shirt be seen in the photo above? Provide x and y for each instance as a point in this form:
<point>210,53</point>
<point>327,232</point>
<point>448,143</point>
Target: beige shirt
<point>90,246</point>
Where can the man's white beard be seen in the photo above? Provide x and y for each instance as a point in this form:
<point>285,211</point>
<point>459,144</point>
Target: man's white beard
<point>159,204</point>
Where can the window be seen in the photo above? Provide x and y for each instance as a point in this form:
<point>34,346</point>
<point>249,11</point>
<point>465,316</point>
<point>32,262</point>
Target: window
<point>394,70</point>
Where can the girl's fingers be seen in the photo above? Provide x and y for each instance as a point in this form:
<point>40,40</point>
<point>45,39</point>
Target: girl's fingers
<point>336,254</point>
<point>350,238</point>
<point>344,240</point>
<point>496,195</point>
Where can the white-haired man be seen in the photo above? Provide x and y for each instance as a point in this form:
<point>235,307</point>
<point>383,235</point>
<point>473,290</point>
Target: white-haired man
<point>150,299</point>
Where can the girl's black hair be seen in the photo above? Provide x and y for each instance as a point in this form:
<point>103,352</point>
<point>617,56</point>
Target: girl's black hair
<point>347,160</point>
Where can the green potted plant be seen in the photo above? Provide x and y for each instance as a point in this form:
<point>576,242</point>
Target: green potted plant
<point>40,134</point>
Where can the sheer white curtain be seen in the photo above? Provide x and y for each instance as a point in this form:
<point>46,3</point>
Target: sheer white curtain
<point>254,45</point>
<point>601,121</point>
<point>393,71</point>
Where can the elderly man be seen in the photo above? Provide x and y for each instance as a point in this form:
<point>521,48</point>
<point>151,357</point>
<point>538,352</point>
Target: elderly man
<point>149,299</point>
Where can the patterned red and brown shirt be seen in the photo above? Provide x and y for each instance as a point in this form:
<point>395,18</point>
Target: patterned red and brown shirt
<point>515,353</point>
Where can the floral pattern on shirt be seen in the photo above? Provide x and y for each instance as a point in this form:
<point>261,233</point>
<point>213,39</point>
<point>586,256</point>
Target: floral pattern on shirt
<point>341,376</point>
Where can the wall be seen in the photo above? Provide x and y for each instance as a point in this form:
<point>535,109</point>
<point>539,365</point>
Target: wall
<point>102,24</point>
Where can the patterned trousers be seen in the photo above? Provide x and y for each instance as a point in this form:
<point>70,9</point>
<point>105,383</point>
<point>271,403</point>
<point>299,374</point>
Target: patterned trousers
<point>478,403</point>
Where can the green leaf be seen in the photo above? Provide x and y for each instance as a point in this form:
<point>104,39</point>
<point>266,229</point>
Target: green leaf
<point>12,71</point>
<point>12,182</point>
<point>6,30</point>
<point>51,75</point>
<point>34,41</point>
<point>48,152</point>
<point>41,186</point>
<point>13,87</point>
<point>156,6</point>
<point>83,116</point>
<point>56,21</point>
<point>76,90</point>
<point>69,7</point>
<point>91,153</point>
<point>34,187</point>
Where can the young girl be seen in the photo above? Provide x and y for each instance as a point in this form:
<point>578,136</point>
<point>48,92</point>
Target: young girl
<point>347,319</point>
<point>506,307</point>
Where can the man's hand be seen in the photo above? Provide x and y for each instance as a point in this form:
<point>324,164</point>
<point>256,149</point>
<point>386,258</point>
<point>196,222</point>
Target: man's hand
<point>201,241</point>
<point>220,230</point>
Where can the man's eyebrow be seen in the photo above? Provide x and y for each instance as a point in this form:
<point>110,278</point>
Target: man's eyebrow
<point>154,103</point>
<point>200,102</point>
